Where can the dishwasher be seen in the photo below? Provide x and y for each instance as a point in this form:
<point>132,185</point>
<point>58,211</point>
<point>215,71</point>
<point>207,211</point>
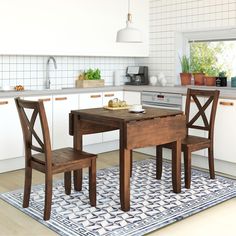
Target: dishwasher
<point>162,100</point>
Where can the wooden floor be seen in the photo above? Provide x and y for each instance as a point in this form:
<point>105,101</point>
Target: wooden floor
<point>217,221</point>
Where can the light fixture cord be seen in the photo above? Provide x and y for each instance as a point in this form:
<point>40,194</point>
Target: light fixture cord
<point>129,14</point>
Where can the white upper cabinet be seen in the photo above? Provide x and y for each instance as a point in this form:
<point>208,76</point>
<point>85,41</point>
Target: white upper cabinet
<point>70,27</point>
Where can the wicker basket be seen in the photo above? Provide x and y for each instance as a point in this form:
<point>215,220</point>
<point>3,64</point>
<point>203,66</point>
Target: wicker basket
<point>89,83</point>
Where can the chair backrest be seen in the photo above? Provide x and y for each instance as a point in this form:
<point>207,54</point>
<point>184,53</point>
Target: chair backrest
<point>211,100</point>
<point>35,108</point>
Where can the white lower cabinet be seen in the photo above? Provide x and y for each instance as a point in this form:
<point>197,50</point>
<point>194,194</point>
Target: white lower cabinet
<point>111,135</point>
<point>225,131</point>
<point>11,139</point>
<point>62,105</point>
<point>132,97</point>
<point>86,101</point>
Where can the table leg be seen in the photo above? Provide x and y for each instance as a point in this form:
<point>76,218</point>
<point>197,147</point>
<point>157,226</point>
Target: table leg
<point>77,142</point>
<point>158,162</point>
<point>131,162</point>
<point>125,179</point>
<point>176,166</point>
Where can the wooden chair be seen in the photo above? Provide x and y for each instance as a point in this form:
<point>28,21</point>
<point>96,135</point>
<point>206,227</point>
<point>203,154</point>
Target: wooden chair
<point>47,161</point>
<point>193,143</point>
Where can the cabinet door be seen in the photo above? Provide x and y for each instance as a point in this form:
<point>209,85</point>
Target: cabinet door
<point>91,100</point>
<point>62,105</point>
<point>195,132</point>
<point>111,135</point>
<point>11,138</point>
<point>47,102</point>
<point>225,130</point>
<point>132,97</point>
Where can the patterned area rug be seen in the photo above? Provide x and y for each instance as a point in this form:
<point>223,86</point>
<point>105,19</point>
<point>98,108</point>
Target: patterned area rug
<point>153,204</point>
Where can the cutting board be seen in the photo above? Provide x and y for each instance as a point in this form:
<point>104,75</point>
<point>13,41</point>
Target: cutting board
<point>116,108</point>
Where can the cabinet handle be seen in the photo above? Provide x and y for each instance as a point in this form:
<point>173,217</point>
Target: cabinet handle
<point>61,99</point>
<point>226,103</point>
<point>44,99</point>
<point>3,102</point>
<point>109,95</point>
<point>95,96</point>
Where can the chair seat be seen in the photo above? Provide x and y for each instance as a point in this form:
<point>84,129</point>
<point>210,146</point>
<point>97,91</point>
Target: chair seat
<point>195,142</point>
<point>64,156</point>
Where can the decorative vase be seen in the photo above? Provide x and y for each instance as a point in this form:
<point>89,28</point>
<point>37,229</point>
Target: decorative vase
<point>153,80</point>
<point>185,78</point>
<point>210,81</point>
<point>198,78</point>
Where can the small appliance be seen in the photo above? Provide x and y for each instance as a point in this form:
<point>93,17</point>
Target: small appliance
<point>137,75</point>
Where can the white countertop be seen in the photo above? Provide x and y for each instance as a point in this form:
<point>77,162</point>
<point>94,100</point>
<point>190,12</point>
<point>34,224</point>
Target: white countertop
<point>225,92</point>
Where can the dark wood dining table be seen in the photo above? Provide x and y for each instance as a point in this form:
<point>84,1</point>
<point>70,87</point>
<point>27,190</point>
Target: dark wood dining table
<point>153,127</point>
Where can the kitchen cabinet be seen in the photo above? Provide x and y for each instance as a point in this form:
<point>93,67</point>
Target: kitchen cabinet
<point>132,97</point>
<point>111,135</point>
<point>62,105</point>
<point>86,101</point>
<point>11,139</point>
<point>75,27</point>
<point>192,113</point>
<point>225,130</point>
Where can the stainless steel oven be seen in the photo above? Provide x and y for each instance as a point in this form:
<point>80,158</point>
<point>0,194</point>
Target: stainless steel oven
<point>162,100</point>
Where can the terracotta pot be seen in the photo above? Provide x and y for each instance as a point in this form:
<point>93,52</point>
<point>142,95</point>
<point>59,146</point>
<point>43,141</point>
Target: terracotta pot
<point>185,78</point>
<point>198,78</point>
<point>210,81</point>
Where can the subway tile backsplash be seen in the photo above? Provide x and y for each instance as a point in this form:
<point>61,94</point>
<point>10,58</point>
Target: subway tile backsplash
<point>30,71</point>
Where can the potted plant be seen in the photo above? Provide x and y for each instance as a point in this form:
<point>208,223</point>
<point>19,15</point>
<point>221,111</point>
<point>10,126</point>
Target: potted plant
<point>210,78</point>
<point>185,76</point>
<point>90,78</point>
<point>221,79</point>
<point>197,70</point>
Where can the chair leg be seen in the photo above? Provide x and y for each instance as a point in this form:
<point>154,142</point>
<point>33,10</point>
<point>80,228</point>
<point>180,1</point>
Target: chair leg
<point>158,162</point>
<point>92,182</point>
<point>211,162</point>
<point>131,162</point>
<point>78,177</point>
<point>48,196</point>
<point>187,168</point>
<point>67,182</point>
<point>27,186</point>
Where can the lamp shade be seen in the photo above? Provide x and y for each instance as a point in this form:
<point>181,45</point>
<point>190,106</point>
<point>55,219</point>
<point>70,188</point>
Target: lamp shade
<point>129,35</point>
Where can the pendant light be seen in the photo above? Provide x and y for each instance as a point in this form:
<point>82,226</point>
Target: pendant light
<point>129,34</point>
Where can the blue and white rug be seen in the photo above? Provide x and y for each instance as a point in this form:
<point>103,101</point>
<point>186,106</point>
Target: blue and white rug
<point>153,204</point>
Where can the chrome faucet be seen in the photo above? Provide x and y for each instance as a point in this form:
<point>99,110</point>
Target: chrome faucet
<point>48,82</point>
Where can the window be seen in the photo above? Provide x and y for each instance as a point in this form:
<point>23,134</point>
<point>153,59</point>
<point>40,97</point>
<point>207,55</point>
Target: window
<point>210,51</point>
<point>213,57</point>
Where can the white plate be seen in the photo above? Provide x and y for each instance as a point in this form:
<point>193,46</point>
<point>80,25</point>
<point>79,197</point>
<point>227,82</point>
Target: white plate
<point>137,111</point>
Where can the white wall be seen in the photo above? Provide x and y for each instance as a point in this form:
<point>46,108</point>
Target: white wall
<point>170,16</point>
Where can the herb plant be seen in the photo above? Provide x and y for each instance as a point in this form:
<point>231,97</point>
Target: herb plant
<point>93,74</point>
<point>185,64</point>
